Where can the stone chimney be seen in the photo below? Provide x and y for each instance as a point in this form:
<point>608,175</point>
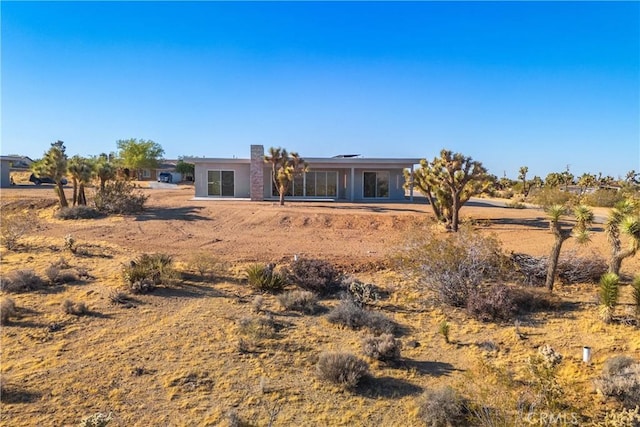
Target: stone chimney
<point>256,171</point>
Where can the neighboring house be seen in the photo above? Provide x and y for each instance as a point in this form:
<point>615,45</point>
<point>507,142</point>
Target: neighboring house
<point>164,166</point>
<point>6,164</point>
<point>347,178</point>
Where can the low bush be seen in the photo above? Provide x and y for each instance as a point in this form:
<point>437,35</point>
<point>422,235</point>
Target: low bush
<point>620,379</point>
<point>609,293</point>
<point>21,281</point>
<point>78,212</point>
<point>59,276</point>
<point>546,196</point>
<point>543,366</point>
<point>442,407</point>
<point>621,418</point>
<point>383,347</point>
<point>515,205</point>
<point>635,293</point>
<point>496,304</point>
<point>302,301</point>
<point>314,275</point>
<point>361,293</point>
<point>119,197</point>
<point>348,313</point>
<point>454,265</point>
<point>263,278</point>
<point>603,197</point>
<point>257,327</point>
<point>13,227</point>
<point>96,420</point>
<point>148,272</point>
<point>343,369</point>
<point>75,308</point>
<point>7,311</point>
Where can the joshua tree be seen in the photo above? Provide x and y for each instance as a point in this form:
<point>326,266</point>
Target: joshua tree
<point>81,171</point>
<point>623,220</point>
<point>105,170</point>
<point>609,291</point>
<point>448,182</point>
<point>54,166</point>
<point>284,168</point>
<point>585,181</point>
<point>583,217</point>
<point>522,176</point>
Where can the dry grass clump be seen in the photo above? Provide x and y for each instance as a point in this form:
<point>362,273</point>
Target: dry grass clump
<point>74,308</point>
<point>263,278</point>
<point>384,347</point>
<point>442,407</point>
<point>351,315</point>
<point>7,311</point>
<point>314,275</point>
<point>206,264</point>
<point>78,212</point>
<point>148,272</point>
<point>620,379</point>
<point>21,281</point>
<point>60,272</point>
<point>303,301</point>
<point>343,369</point>
<point>257,327</point>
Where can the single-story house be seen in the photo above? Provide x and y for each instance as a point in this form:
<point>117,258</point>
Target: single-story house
<point>164,166</point>
<point>346,178</point>
<point>6,163</point>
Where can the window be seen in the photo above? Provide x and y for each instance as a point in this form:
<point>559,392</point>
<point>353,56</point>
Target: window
<point>376,184</point>
<point>312,184</point>
<point>146,173</point>
<point>220,183</point>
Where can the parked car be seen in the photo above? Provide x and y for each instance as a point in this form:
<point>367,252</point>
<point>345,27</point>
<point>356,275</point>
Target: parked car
<point>37,180</point>
<point>165,177</point>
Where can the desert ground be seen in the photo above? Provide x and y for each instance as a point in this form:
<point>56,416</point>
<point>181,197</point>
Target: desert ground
<point>171,358</point>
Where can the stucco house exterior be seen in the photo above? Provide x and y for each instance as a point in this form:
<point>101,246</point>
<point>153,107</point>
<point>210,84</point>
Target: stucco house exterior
<point>342,178</point>
<point>6,164</point>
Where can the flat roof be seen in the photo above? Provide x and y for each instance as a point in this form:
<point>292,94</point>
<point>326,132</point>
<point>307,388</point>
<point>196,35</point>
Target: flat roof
<point>325,161</point>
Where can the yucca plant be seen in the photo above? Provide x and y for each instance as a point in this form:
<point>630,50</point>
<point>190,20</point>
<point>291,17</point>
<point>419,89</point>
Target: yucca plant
<point>624,220</point>
<point>263,278</point>
<point>636,293</point>
<point>609,291</point>
<point>443,329</point>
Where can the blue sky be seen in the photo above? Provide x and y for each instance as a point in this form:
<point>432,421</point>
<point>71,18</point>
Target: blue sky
<point>542,84</point>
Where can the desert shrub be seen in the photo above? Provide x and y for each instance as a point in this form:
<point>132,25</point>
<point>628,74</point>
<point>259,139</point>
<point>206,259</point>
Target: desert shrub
<point>206,264</point>
<point>119,197</point>
<point>302,301</point>
<point>603,197</point>
<point>75,308</point>
<point>7,310</point>
<point>443,329</point>
<point>442,407</point>
<point>263,278</point>
<point>343,369</point>
<point>257,327</point>
<point>78,212</point>
<point>545,196</point>
<point>571,268</point>
<point>257,305</point>
<point>609,292</point>
<point>620,379</point>
<point>514,204</point>
<point>149,271</point>
<point>454,265</point>
<point>383,347</point>
<point>544,366</point>
<point>58,275</point>
<point>21,281</point>
<point>348,313</point>
<point>361,293</point>
<point>96,420</point>
<point>314,275</point>
<point>13,227</point>
<point>116,297</point>
<point>496,304</point>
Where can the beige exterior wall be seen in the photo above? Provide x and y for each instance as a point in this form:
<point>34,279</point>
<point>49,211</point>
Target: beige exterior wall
<point>241,177</point>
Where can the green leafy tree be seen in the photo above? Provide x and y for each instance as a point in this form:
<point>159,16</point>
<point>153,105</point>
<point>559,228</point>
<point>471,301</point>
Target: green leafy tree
<point>624,220</point>
<point>448,182</point>
<point>139,154</point>
<point>185,168</point>
<point>54,165</point>
<point>284,168</point>
<point>583,220</point>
